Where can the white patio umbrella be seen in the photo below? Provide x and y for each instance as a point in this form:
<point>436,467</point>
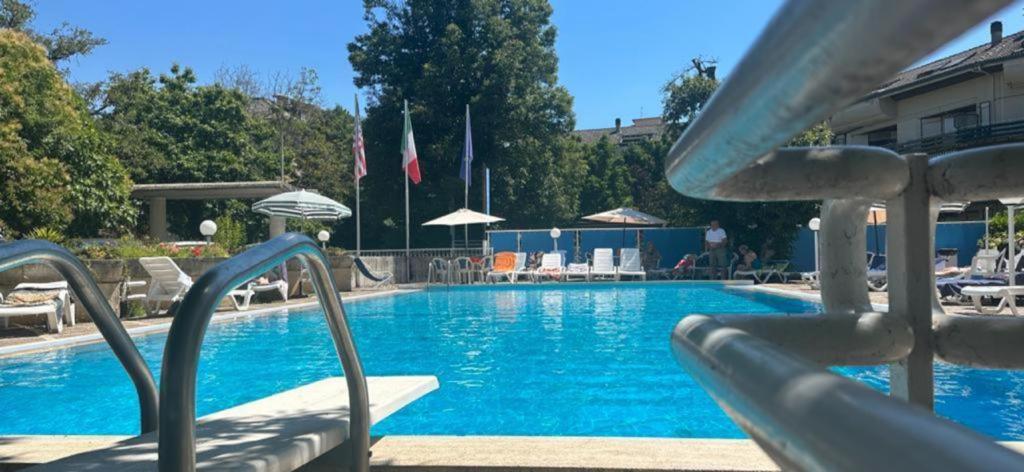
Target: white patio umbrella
<point>463,216</point>
<point>626,216</point>
<point>302,204</point>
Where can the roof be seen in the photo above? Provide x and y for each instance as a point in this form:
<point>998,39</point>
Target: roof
<point>210,190</point>
<point>641,129</point>
<point>1009,47</point>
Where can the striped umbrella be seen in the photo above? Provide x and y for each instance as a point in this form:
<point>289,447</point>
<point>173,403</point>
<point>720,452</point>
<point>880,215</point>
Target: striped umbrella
<point>302,204</point>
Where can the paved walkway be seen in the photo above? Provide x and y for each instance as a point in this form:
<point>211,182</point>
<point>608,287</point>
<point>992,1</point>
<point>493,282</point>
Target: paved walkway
<point>876,297</point>
<point>25,330</point>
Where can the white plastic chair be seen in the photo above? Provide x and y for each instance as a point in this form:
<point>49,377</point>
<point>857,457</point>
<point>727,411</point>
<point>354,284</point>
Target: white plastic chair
<point>168,284</point>
<point>550,267</point>
<point>629,264</point>
<point>604,265</point>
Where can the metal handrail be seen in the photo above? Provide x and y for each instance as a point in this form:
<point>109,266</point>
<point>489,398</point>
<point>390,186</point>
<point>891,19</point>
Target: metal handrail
<point>814,57</point>
<point>177,451</point>
<point>19,253</point>
<point>806,418</point>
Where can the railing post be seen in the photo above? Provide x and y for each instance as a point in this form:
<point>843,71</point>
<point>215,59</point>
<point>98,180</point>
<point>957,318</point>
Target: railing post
<point>911,276</point>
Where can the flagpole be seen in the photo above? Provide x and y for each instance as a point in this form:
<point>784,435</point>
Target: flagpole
<point>408,253</point>
<point>465,165</point>
<point>359,214</point>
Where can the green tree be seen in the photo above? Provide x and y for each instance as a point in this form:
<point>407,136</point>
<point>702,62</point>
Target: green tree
<point>170,130</point>
<point>64,42</point>
<point>57,168</point>
<point>608,181</point>
<point>764,226</point>
<point>497,56</point>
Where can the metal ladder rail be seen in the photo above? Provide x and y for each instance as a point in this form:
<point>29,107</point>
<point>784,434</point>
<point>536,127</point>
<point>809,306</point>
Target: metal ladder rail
<point>820,56</point>
<point>177,449</point>
<point>19,253</point>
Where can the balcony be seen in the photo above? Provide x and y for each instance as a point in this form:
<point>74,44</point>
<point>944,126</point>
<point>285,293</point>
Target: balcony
<point>1011,131</point>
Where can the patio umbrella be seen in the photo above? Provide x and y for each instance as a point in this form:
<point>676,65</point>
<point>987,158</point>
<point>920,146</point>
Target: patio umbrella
<point>302,204</point>
<point>626,216</point>
<point>463,216</point>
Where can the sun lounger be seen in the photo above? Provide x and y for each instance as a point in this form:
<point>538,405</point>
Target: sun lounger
<point>241,298</point>
<point>577,271</point>
<point>378,279</point>
<point>505,265</point>
<point>604,265</point>
<point>1007,298</point>
<point>766,272</point>
<point>550,267</point>
<point>168,284</point>
<point>521,270</point>
<point>51,300</point>
<point>629,264</point>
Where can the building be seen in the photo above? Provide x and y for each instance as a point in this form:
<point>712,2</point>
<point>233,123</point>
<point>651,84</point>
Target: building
<point>643,129</point>
<point>969,99</point>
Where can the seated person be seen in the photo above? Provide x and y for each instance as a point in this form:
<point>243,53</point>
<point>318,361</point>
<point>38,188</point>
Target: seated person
<point>685,264</point>
<point>748,259</point>
<point>652,257</point>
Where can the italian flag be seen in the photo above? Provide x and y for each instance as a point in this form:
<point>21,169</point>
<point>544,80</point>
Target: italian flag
<point>409,161</point>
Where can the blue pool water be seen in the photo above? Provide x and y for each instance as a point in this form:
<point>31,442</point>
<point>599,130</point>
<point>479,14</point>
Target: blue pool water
<point>526,360</point>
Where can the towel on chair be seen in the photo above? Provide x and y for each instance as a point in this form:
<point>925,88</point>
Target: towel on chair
<point>26,297</point>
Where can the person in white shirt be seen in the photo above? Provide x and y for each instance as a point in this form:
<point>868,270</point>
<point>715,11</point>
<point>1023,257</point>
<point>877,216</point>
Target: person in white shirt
<point>716,243</point>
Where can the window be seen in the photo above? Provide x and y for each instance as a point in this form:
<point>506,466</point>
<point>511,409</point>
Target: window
<point>985,113</point>
<point>950,121</point>
<point>931,126</point>
<point>885,137</point>
<point>839,139</point>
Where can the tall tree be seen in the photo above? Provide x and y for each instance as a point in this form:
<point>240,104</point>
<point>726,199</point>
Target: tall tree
<point>765,227</point>
<point>498,56</point>
<point>608,182</point>
<point>57,168</point>
<point>63,42</point>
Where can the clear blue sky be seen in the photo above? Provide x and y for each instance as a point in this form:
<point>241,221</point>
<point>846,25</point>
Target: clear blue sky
<point>615,55</point>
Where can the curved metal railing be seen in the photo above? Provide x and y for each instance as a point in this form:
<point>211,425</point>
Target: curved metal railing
<point>814,57</point>
<point>809,419</point>
<point>177,451</point>
<point>19,253</point>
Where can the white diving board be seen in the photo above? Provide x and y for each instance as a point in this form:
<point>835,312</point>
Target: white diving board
<point>281,432</point>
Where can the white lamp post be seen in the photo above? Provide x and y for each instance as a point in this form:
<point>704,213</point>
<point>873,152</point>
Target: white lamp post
<point>208,228</point>
<point>555,233</point>
<point>814,225</point>
<point>1011,236</point>
<point>323,236</point>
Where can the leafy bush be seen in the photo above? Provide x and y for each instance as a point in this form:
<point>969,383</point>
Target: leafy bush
<point>130,248</point>
<point>997,226</point>
<point>48,234</point>
<point>230,233</point>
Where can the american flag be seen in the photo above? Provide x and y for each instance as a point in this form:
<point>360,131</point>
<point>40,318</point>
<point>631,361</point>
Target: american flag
<point>358,148</point>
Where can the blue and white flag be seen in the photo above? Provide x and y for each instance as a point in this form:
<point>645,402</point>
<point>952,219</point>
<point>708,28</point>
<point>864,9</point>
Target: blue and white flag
<point>465,170</point>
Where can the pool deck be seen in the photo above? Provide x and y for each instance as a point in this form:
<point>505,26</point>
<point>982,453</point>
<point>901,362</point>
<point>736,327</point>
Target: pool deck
<point>879,299</point>
<point>25,339</point>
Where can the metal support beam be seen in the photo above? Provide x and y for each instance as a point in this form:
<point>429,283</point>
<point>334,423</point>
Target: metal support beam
<point>911,275</point>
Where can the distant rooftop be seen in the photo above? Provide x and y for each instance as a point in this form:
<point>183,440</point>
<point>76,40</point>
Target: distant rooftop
<point>642,129</point>
<point>972,61</point>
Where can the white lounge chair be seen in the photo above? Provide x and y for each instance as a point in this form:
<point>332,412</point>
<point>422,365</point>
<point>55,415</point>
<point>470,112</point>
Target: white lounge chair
<point>629,264</point>
<point>241,298</point>
<point>168,284</point>
<point>504,265</point>
<point>604,265</point>
<point>1007,298</point>
<point>767,271</point>
<point>577,271</point>
<point>521,269</point>
<point>58,311</point>
<point>550,267</point>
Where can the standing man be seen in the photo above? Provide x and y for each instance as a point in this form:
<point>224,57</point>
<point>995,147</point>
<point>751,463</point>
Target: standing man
<point>716,244</point>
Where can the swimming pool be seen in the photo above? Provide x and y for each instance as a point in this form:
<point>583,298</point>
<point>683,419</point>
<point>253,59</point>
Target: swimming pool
<point>563,360</point>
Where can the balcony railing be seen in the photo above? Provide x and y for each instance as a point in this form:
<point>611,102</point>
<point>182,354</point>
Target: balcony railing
<point>1009,132</point>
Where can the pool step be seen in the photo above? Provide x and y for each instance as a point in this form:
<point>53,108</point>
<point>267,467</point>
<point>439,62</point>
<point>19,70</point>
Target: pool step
<point>281,432</point>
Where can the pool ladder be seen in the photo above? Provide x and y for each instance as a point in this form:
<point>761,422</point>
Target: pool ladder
<point>815,57</point>
<point>172,414</point>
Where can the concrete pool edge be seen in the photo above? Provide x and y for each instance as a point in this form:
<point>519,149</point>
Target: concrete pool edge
<point>93,338</point>
<point>485,453</point>
<point>807,297</point>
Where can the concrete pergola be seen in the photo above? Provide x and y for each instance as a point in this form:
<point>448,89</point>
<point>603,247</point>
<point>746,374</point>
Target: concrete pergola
<point>156,195</point>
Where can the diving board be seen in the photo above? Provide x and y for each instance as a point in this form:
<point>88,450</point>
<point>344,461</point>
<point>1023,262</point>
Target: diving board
<point>277,433</point>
